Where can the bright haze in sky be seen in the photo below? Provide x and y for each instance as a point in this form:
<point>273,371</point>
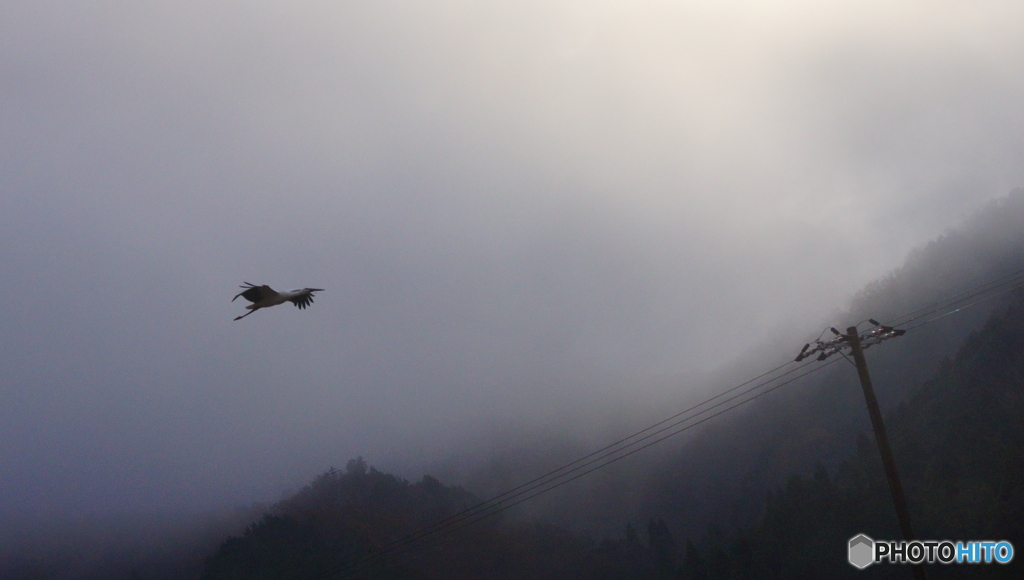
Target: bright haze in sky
<point>517,210</point>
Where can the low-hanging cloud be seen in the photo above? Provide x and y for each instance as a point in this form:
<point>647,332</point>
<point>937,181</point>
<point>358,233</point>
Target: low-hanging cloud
<point>517,209</point>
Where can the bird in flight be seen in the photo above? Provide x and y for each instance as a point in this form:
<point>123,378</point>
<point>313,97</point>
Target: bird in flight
<point>265,297</point>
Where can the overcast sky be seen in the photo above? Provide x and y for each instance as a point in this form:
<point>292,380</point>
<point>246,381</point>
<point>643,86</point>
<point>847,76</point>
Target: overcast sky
<point>517,210</point>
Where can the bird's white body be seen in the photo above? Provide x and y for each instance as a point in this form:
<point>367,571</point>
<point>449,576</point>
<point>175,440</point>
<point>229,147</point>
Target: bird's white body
<point>265,297</point>
<point>274,299</point>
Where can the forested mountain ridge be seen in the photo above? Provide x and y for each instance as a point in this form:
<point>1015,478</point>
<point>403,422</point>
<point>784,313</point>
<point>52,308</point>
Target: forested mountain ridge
<point>343,524</point>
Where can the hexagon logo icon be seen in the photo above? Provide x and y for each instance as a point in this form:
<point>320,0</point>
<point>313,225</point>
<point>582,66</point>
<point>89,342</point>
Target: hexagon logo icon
<point>861,552</point>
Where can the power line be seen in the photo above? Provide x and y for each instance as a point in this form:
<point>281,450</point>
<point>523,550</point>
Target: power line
<point>966,306</point>
<point>1010,278</point>
<point>583,462</point>
<point>604,452</point>
<point>410,544</point>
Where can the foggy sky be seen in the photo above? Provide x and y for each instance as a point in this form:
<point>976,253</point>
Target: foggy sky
<point>523,213</point>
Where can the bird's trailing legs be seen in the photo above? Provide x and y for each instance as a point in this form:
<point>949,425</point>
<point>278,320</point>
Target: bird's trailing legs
<point>246,314</point>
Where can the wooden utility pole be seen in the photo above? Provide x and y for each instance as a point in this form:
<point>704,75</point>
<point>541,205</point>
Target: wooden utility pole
<point>895,487</point>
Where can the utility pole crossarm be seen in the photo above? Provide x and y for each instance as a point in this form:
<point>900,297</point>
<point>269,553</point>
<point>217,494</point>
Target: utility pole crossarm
<point>827,348</point>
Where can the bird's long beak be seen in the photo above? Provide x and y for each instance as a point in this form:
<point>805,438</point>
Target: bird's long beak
<point>316,289</point>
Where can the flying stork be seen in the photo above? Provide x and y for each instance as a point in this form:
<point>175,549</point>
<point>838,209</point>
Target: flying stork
<point>265,297</point>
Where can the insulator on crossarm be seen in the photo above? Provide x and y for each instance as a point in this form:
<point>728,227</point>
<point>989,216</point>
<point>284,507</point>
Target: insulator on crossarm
<point>836,343</point>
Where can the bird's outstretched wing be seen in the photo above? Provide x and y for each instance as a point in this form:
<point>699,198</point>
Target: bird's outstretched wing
<point>254,293</point>
<point>305,299</point>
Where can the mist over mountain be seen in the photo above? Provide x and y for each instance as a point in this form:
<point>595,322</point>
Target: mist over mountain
<point>722,472</point>
<point>719,477</point>
<point>539,225</point>
<point>524,214</point>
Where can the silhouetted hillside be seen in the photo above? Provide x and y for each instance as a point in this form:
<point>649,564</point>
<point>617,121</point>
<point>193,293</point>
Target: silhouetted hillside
<point>342,519</point>
<point>118,546</point>
<point>722,473</point>
<point>959,445</point>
